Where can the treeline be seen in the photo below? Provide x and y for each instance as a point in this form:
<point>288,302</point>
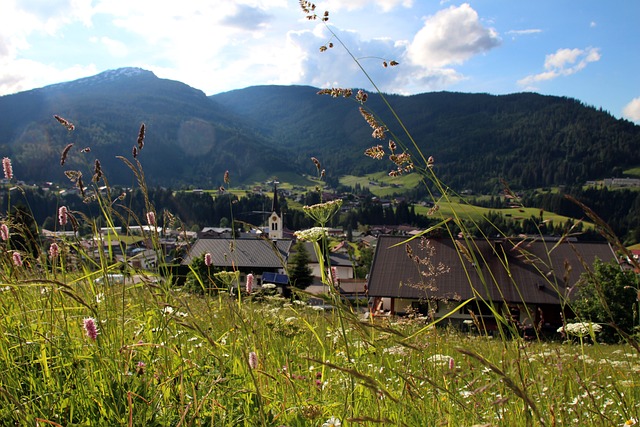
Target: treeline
<point>619,208</point>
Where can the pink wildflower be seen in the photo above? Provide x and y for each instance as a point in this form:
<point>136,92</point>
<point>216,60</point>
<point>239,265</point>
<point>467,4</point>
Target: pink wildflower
<point>90,328</point>
<point>207,259</point>
<point>452,363</point>
<point>8,169</point>
<point>63,216</point>
<point>140,367</point>
<point>54,250</point>
<point>4,232</point>
<point>17,259</point>
<point>249,286</point>
<point>151,218</point>
<point>253,360</point>
<point>334,276</point>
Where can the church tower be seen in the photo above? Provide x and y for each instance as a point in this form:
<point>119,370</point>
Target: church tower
<point>275,219</point>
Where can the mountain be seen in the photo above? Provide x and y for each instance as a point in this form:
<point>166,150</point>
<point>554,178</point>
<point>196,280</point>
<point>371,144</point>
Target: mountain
<point>477,140</point>
<point>190,139</point>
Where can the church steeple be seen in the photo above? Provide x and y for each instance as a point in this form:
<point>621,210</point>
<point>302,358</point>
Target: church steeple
<point>275,219</point>
<point>275,206</point>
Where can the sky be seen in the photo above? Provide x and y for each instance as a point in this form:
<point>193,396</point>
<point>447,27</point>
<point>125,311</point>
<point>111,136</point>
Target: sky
<point>583,49</point>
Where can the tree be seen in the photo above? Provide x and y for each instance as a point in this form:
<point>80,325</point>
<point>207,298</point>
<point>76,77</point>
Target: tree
<point>608,295</point>
<point>299,271</point>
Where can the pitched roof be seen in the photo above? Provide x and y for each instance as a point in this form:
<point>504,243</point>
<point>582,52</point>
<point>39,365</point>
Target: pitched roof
<point>533,272</point>
<point>257,253</point>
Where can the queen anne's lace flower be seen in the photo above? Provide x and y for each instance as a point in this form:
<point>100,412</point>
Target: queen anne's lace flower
<point>311,234</point>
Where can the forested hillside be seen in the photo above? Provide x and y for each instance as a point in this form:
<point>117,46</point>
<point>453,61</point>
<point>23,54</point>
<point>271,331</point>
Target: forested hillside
<point>527,139</point>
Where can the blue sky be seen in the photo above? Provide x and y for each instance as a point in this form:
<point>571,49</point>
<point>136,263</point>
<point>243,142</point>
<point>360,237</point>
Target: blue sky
<point>585,49</point>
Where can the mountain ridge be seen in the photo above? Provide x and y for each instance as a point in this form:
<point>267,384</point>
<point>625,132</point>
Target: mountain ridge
<point>477,140</point>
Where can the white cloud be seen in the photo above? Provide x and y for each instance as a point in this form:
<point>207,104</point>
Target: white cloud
<point>115,48</point>
<point>21,74</point>
<point>563,62</point>
<point>386,5</point>
<point>524,32</point>
<point>451,37</point>
<point>631,111</point>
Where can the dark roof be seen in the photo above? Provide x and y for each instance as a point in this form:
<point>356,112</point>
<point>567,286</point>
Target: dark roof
<point>336,259</point>
<point>257,253</point>
<point>533,272</point>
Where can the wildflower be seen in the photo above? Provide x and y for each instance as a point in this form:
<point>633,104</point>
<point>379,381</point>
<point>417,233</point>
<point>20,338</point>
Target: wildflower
<point>322,212</point>
<point>141,137</point>
<point>90,327</point>
<point>140,368</point>
<point>151,218</point>
<point>63,156</point>
<point>168,310</point>
<point>63,215</point>
<point>630,422</point>
<point>8,169</point>
<point>452,363</point>
<point>332,422</point>
<point>54,251</point>
<point>333,272</point>
<point>17,259</point>
<point>253,360</point>
<point>311,235</point>
<point>4,232</point>
<point>207,259</point>
<point>249,285</point>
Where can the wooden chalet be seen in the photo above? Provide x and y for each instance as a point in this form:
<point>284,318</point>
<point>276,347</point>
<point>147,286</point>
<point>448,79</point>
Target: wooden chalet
<point>525,279</point>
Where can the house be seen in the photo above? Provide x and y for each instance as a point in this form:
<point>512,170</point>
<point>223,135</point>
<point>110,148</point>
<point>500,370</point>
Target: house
<point>245,254</point>
<point>526,279</point>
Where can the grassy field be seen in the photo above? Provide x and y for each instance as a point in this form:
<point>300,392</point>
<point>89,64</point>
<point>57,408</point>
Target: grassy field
<point>476,213</point>
<point>163,357</point>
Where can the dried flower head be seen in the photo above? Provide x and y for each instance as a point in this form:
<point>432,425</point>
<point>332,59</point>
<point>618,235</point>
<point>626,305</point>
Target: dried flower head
<point>97,171</point>
<point>8,169</point>
<point>90,328</point>
<point>430,162</point>
<point>394,63</point>
<point>86,150</point>
<point>376,152</point>
<point>207,259</point>
<point>361,96</point>
<point>134,152</point>
<point>17,259</point>
<point>141,137</point>
<point>253,360</point>
<point>63,156</point>
<point>227,180</point>
<point>378,129</point>
<point>54,250</point>
<point>317,163</point>
<point>4,232</point>
<point>392,146</point>
<point>64,123</point>
<point>336,92</point>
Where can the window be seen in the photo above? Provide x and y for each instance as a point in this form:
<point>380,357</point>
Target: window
<point>274,226</point>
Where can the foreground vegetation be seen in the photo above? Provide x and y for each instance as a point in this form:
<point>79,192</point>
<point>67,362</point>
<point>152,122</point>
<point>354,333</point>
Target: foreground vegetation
<point>164,357</point>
